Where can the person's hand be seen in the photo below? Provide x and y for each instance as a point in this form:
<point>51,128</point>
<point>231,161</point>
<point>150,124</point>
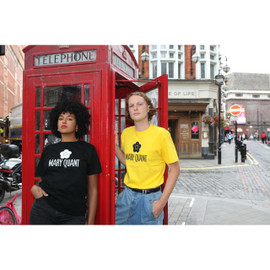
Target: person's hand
<point>157,208</point>
<point>38,192</point>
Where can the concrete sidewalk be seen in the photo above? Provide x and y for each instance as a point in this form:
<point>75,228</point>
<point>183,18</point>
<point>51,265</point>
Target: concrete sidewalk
<point>202,209</point>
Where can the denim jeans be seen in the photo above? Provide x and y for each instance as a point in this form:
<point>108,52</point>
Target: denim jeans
<point>42,213</point>
<point>133,208</point>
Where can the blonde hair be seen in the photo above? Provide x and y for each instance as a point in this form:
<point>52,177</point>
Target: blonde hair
<point>152,109</point>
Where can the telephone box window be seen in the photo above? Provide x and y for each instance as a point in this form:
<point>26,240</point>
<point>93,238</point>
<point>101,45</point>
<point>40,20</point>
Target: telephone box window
<point>37,143</point>
<point>46,120</point>
<point>195,130</point>
<point>54,94</point>
<point>37,159</point>
<point>123,106</point>
<point>87,138</point>
<point>86,88</point>
<point>116,106</point>
<point>50,139</point>
<point>38,97</point>
<point>153,96</point>
<point>37,124</point>
<point>123,123</point>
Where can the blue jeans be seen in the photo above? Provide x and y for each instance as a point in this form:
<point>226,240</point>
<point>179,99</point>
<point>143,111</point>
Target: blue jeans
<point>133,208</point>
<point>42,213</point>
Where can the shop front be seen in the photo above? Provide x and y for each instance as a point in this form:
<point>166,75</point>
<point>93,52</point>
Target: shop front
<point>188,102</point>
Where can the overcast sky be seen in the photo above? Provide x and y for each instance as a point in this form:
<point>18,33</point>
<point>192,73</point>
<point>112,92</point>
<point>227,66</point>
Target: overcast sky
<point>252,58</point>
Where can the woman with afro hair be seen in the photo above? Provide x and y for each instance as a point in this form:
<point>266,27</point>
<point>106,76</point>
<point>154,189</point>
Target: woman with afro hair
<point>67,171</point>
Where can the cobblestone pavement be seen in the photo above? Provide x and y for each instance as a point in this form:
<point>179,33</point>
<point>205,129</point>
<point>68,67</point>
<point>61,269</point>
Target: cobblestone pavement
<point>230,193</point>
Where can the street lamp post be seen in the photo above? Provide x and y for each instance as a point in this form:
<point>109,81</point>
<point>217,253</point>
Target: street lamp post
<point>219,79</point>
<point>194,58</point>
<point>144,58</point>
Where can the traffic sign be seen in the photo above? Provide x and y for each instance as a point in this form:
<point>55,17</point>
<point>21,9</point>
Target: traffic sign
<point>235,109</point>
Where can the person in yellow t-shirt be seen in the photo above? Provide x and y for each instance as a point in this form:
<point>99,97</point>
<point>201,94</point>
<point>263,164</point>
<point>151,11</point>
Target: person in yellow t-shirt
<point>146,151</point>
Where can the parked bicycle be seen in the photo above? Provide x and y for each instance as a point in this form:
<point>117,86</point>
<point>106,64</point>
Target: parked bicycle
<point>8,213</point>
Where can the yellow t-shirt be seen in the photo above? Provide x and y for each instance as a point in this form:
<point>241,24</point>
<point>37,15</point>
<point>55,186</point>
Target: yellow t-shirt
<point>146,153</point>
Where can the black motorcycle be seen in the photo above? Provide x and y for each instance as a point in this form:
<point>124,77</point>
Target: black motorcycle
<point>10,169</point>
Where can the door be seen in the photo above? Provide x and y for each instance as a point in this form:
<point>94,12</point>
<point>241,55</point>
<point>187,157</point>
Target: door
<point>189,135</point>
<point>157,91</point>
<point>42,95</point>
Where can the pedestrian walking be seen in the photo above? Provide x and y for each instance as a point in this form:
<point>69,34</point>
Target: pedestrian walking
<point>263,137</point>
<point>256,135</point>
<point>146,151</point>
<point>68,171</point>
<point>230,137</point>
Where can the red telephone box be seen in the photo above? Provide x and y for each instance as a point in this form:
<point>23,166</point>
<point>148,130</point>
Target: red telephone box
<point>100,77</point>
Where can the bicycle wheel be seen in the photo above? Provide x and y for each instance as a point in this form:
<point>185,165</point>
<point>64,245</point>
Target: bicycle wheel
<point>7,216</point>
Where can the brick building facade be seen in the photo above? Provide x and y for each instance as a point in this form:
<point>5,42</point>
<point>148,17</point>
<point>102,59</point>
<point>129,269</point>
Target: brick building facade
<point>11,78</point>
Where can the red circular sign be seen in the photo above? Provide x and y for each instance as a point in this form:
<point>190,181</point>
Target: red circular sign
<point>235,109</point>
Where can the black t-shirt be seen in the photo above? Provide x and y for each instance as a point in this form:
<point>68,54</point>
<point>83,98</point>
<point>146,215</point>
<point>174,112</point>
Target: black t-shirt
<point>64,168</point>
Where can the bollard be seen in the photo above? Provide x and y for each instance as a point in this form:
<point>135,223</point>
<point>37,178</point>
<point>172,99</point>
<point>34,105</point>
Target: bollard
<point>243,152</point>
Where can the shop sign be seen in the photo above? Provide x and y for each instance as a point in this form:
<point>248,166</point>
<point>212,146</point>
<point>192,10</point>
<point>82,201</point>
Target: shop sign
<point>182,94</point>
<point>65,58</point>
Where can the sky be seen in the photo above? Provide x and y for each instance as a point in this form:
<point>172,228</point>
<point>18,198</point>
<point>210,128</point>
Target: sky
<point>252,58</point>
<point>240,27</point>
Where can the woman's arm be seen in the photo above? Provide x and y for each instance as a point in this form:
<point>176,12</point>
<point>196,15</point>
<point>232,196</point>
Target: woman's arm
<point>37,191</point>
<point>92,198</point>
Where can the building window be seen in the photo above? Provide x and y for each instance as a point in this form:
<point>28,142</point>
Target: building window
<point>171,46</point>
<point>154,47</point>
<point>195,131</point>
<point>202,47</point>
<point>179,71</point>
<point>154,55</point>
<point>212,57</point>
<point>163,54</point>
<point>203,70</point>
<point>212,71</point>
<point>130,46</point>
<point>202,56</point>
<point>171,70</point>
<point>212,48</point>
<point>171,55</point>
<point>154,66</point>
<point>255,96</point>
<point>179,56</point>
<point>179,47</point>
<point>163,68</point>
<point>239,95</point>
<point>268,96</point>
<point>163,47</point>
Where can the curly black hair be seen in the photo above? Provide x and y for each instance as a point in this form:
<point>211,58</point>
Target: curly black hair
<point>81,113</point>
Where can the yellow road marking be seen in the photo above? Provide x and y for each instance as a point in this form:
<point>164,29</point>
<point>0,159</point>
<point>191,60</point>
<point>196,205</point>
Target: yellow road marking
<point>252,160</point>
